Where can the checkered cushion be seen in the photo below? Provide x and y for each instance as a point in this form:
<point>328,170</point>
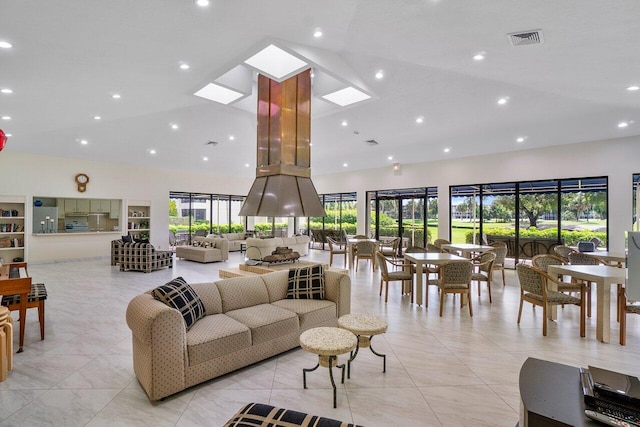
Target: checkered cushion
<point>258,414</point>
<point>38,293</point>
<point>179,295</point>
<point>306,283</point>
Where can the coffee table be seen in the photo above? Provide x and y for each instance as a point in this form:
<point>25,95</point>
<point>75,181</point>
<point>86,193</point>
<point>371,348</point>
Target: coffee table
<point>364,327</point>
<point>327,343</point>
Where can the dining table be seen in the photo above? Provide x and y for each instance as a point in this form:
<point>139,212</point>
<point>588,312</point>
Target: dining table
<point>603,276</point>
<point>429,258</point>
<point>351,245</point>
<point>14,280</point>
<point>614,258</point>
<point>466,249</point>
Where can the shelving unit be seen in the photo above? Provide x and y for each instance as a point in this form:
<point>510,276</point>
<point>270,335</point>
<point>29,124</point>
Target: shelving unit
<point>139,219</point>
<point>12,226</point>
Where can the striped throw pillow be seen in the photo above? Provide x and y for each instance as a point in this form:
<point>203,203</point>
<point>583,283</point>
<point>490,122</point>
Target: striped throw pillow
<point>306,283</point>
<point>179,295</point>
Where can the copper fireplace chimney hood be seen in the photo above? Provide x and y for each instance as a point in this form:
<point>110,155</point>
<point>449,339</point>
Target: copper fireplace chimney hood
<point>283,184</point>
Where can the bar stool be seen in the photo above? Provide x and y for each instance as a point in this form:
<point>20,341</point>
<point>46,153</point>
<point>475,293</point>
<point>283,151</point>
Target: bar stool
<point>6,342</point>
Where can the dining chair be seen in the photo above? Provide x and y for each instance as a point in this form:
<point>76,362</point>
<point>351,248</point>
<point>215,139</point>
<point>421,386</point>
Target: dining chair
<point>578,258</point>
<point>498,244</point>
<point>501,255</point>
<point>483,270</point>
<point>365,250</point>
<point>433,248</point>
<point>386,276</point>
<point>534,289</point>
<point>440,242</point>
<point>543,261</point>
<point>455,278</point>
<point>360,236</point>
<point>625,307</point>
<point>563,252</point>
<point>390,249</point>
<point>336,248</point>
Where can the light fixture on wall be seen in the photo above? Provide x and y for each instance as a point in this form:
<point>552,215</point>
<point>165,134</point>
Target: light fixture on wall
<point>396,167</point>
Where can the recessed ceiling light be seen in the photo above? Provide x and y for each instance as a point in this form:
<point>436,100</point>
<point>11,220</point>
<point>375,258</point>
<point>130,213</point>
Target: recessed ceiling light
<point>479,56</point>
<point>345,164</point>
<point>246,165</point>
<point>217,93</point>
<point>8,134</point>
<point>184,66</point>
<point>152,151</point>
<point>633,88</point>
<point>84,142</point>
<point>379,74</point>
<point>344,123</point>
<point>202,3</point>
<point>116,96</point>
<point>346,96</point>
<point>5,45</point>
<point>231,137</point>
<point>446,150</point>
<point>317,33</point>
<point>503,101</point>
<point>390,157</point>
<point>420,120</point>
<point>623,124</point>
<point>205,158</point>
<point>6,91</point>
<point>275,62</point>
<point>6,117</point>
<point>97,118</point>
<point>174,126</point>
<point>520,139</point>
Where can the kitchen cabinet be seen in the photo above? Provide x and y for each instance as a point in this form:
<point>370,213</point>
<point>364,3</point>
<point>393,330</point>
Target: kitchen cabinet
<point>100,205</point>
<point>75,206</point>
<point>114,209</point>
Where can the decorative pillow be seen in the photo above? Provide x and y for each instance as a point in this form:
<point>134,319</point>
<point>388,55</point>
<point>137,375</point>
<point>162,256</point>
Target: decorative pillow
<point>179,295</point>
<point>206,244</point>
<point>306,283</point>
<point>127,239</point>
<point>196,243</point>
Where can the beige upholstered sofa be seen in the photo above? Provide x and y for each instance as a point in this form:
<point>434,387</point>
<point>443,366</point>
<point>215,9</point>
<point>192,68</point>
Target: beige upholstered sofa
<point>259,248</point>
<point>235,240</point>
<point>248,319</point>
<point>205,249</point>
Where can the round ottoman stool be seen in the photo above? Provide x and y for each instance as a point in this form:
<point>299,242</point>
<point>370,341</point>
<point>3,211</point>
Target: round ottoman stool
<point>364,326</point>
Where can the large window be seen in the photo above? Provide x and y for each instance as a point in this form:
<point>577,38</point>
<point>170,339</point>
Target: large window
<point>341,218</point>
<point>201,214</point>
<point>405,213</point>
<point>531,217</point>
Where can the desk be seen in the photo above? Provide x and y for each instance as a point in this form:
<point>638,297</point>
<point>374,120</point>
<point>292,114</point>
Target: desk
<point>351,244</point>
<point>466,249</point>
<point>20,286</point>
<point>551,395</point>
<point>421,259</point>
<point>603,276</point>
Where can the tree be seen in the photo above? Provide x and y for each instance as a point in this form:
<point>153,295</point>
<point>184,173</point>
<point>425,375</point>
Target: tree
<point>432,207</point>
<point>173,208</point>
<point>534,205</point>
<point>577,204</point>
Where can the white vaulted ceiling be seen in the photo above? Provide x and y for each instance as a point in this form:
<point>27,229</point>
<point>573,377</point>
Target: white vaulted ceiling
<point>69,57</point>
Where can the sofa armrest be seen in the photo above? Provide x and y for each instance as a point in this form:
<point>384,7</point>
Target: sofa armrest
<point>159,346</point>
<point>223,245</point>
<point>337,288</point>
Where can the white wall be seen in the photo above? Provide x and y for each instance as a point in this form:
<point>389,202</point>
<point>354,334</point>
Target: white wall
<point>31,175</point>
<point>618,159</point>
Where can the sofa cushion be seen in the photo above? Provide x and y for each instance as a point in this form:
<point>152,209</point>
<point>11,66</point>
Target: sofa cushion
<point>306,282</point>
<point>277,284</point>
<point>311,312</point>
<point>214,336</point>
<point>127,239</point>
<point>210,297</point>
<point>179,295</point>
<point>241,292</point>
<point>266,321</point>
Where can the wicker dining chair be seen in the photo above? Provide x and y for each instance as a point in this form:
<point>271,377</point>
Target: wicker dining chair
<point>483,270</point>
<point>498,264</point>
<point>563,252</point>
<point>534,289</point>
<point>365,250</point>
<point>625,307</point>
<point>439,242</point>
<point>455,278</point>
<point>391,249</point>
<point>578,258</point>
<point>336,248</point>
<point>386,276</point>
<point>543,261</point>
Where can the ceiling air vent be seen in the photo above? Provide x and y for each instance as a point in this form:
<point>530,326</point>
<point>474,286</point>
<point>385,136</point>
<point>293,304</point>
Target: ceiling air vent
<point>372,142</point>
<point>522,38</point>
<point>214,143</point>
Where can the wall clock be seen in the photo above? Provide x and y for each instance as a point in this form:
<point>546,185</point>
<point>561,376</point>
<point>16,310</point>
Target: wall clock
<point>82,179</point>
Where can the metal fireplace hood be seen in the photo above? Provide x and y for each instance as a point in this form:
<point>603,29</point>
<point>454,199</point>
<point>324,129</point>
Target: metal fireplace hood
<point>283,184</point>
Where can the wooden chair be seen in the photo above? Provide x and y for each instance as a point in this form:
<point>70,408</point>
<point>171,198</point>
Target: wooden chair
<point>6,343</point>
<point>483,270</point>
<point>365,250</point>
<point>501,255</point>
<point>563,252</point>
<point>578,258</point>
<point>623,309</point>
<point>391,248</point>
<point>534,289</point>
<point>455,278</point>
<point>360,236</point>
<point>439,242</point>
<point>433,248</point>
<point>386,276</point>
<point>336,248</point>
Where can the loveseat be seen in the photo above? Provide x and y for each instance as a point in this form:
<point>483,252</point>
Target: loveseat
<point>204,249</point>
<point>235,240</point>
<point>248,319</point>
<point>257,249</point>
<point>144,257</point>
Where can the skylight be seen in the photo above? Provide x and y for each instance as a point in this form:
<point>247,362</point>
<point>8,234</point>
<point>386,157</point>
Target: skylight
<point>275,62</point>
<point>217,93</point>
<point>346,96</point>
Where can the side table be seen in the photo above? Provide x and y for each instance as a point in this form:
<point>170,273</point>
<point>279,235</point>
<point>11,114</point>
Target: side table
<point>363,326</point>
<point>327,343</point>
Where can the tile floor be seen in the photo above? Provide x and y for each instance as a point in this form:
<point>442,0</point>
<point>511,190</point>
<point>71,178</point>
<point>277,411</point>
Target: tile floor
<point>449,371</point>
